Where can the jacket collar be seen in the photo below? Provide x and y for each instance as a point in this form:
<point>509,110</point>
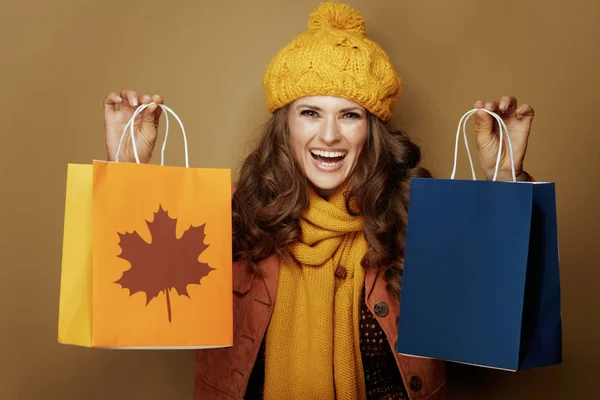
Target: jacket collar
<point>244,275</point>
<point>370,277</point>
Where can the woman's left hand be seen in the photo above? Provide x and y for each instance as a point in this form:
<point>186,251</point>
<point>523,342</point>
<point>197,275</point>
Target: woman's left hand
<point>518,120</point>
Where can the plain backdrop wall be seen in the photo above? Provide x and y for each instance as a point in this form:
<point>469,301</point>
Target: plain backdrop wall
<point>60,58</point>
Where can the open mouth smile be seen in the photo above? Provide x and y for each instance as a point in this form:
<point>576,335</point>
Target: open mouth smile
<point>328,160</point>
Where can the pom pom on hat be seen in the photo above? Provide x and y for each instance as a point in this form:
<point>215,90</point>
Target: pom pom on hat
<point>336,16</point>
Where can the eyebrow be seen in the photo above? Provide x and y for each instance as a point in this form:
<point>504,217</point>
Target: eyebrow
<point>315,108</point>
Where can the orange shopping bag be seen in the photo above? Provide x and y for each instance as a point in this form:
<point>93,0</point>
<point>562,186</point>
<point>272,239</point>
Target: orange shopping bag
<point>158,270</point>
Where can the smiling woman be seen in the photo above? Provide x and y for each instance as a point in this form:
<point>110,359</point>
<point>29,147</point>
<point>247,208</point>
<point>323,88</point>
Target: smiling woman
<point>319,221</point>
<point>329,144</point>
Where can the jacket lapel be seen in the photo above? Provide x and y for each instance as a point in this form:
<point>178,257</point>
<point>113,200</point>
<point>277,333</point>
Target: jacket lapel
<point>370,277</point>
<point>268,272</point>
<point>269,269</point>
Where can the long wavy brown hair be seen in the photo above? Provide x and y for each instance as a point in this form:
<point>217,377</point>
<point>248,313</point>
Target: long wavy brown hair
<point>272,196</point>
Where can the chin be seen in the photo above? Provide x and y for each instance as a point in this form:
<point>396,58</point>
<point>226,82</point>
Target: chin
<point>326,185</point>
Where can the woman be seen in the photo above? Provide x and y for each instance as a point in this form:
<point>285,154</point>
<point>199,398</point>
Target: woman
<point>319,219</point>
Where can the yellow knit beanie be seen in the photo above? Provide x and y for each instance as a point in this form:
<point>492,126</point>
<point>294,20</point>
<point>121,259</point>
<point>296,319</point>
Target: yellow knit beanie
<point>334,58</point>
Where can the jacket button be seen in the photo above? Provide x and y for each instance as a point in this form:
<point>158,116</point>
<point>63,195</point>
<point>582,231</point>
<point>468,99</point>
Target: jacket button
<point>381,309</point>
<point>414,383</point>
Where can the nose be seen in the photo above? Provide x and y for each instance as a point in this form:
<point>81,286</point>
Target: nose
<point>330,132</point>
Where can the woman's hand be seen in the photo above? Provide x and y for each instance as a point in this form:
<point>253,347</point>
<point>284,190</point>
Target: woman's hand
<point>518,120</point>
<point>118,110</point>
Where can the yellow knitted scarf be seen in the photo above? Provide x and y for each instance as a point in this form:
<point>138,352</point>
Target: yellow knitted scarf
<point>313,344</point>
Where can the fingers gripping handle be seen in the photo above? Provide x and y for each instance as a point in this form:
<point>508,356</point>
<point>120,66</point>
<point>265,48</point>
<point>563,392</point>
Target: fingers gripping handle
<point>130,126</point>
<point>503,131</point>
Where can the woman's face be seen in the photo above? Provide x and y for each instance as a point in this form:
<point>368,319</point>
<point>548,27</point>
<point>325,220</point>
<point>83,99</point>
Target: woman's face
<point>327,135</point>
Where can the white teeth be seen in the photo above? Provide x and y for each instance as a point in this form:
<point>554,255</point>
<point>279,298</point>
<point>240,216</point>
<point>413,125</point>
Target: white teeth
<point>329,154</point>
<point>327,164</point>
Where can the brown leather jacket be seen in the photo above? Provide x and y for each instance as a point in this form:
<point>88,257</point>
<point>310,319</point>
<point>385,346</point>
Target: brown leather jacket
<point>222,374</point>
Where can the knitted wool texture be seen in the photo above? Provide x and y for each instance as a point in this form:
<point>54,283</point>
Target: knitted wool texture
<point>334,57</point>
<point>313,342</point>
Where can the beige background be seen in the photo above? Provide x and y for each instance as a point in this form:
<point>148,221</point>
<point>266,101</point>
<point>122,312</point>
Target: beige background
<point>60,58</point>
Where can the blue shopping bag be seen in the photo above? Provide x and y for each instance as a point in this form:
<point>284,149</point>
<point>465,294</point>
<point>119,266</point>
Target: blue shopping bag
<point>481,282</point>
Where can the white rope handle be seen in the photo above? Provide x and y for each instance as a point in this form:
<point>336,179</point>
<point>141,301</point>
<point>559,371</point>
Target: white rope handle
<point>503,131</point>
<point>130,126</point>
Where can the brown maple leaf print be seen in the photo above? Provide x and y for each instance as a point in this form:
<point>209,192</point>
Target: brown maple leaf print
<point>166,262</point>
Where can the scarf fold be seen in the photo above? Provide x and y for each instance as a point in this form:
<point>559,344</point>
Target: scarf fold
<point>313,343</point>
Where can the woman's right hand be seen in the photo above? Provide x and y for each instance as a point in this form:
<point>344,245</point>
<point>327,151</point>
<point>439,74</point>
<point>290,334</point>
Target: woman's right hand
<point>118,110</point>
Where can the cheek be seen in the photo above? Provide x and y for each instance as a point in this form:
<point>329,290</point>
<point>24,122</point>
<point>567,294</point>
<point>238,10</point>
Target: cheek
<point>359,138</point>
<point>298,139</point>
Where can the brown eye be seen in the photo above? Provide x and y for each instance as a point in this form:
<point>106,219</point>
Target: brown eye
<point>309,113</point>
<point>352,115</point>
